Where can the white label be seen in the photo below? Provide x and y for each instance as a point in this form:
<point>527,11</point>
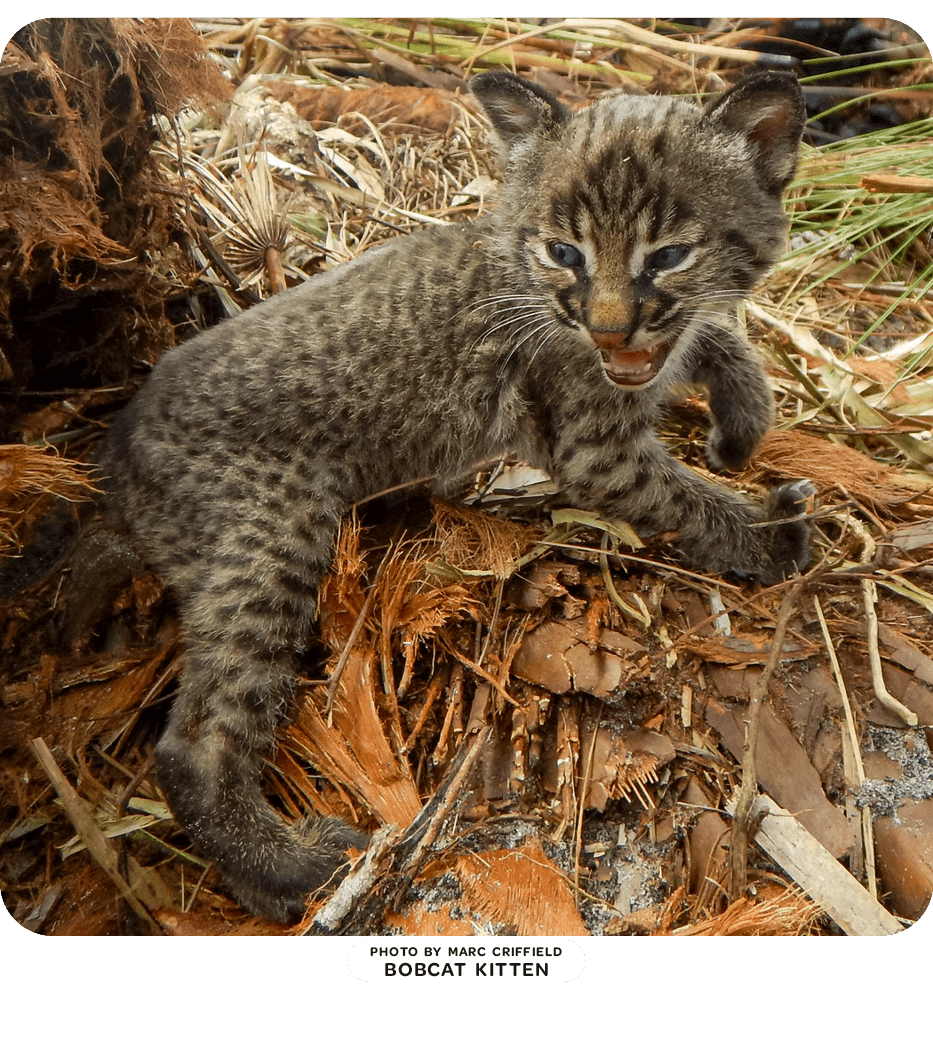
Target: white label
<point>466,960</point>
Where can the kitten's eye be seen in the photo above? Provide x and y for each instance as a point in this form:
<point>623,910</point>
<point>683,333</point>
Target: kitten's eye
<point>667,257</point>
<point>567,255</point>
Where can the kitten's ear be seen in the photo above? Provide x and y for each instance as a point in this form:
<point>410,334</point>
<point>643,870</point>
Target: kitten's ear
<point>768,110</point>
<point>518,107</point>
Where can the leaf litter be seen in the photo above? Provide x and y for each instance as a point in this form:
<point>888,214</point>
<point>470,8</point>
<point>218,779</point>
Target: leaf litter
<point>547,719</point>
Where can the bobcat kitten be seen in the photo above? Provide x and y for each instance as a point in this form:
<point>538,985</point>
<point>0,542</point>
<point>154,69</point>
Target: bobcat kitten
<point>624,237</point>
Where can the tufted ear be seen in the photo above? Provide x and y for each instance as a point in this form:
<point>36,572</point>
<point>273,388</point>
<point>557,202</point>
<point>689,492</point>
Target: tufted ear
<point>767,109</point>
<point>517,107</point>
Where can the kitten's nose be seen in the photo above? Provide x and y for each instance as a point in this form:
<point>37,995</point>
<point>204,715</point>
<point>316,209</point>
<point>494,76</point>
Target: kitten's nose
<point>610,341</point>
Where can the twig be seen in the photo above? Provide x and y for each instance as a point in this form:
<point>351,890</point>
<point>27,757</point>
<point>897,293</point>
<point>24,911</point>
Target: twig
<point>186,908</point>
<point>581,807</point>
<point>870,599</point>
<point>428,824</point>
<point>345,653</point>
<point>434,689</point>
<point>454,701</point>
<point>95,841</point>
<point>207,245</point>
<point>419,482</point>
<point>355,885</point>
<point>744,804</point>
<point>850,737</point>
<point>124,798</point>
<point>480,672</point>
<point>170,671</point>
<point>497,607</point>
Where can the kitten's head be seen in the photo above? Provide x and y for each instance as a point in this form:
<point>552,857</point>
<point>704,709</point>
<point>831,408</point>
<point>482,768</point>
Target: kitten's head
<point>641,219</point>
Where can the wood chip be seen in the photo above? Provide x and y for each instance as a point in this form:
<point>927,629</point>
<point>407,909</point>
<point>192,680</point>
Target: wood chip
<point>557,656</point>
<point>817,873</point>
<point>785,770</point>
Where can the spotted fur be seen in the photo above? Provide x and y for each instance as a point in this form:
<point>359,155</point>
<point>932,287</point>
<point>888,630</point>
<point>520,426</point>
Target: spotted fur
<point>609,273</point>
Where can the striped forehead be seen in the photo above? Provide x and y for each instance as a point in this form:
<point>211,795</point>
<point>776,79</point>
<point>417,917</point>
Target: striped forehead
<point>616,181</point>
<point>641,114</point>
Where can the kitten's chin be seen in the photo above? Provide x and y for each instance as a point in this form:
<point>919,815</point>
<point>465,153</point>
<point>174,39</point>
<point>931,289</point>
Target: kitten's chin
<point>629,368</point>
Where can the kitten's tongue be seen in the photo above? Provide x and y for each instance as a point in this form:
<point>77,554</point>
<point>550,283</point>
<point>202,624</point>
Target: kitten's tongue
<point>626,366</point>
<point>633,368</point>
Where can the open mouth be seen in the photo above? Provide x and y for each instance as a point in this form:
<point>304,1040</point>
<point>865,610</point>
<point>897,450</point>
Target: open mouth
<point>629,367</point>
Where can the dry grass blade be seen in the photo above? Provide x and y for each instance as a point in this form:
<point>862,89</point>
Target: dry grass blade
<point>864,857</point>
<point>834,384</point>
<point>851,295</point>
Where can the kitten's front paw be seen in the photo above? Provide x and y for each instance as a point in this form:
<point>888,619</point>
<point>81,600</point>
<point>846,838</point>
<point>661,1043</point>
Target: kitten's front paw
<point>317,858</point>
<point>787,541</point>
<point>730,451</point>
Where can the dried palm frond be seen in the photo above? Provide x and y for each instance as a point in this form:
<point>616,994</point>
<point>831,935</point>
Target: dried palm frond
<point>774,911</point>
<point>244,214</point>
<point>257,243</point>
<point>29,472</point>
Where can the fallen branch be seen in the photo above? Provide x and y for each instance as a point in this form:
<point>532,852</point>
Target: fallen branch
<point>355,886</point>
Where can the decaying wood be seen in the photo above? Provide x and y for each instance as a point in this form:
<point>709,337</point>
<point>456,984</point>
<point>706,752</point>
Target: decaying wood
<point>811,866</point>
<point>355,886</point>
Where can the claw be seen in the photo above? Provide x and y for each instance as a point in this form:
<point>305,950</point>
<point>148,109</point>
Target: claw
<point>785,501</point>
<point>801,490</point>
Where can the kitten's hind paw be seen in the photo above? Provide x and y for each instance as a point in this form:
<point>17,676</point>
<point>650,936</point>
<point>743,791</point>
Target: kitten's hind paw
<point>317,858</point>
<point>788,500</point>
<point>329,835</point>
<point>788,541</point>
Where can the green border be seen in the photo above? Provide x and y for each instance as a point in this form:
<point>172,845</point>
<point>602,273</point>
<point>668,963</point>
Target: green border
<point>250,989</point>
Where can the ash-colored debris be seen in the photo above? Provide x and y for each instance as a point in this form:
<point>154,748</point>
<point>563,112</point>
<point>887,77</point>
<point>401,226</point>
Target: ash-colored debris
<point>438,893</point>
<point>908,749</point>
<point>621,873</point>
